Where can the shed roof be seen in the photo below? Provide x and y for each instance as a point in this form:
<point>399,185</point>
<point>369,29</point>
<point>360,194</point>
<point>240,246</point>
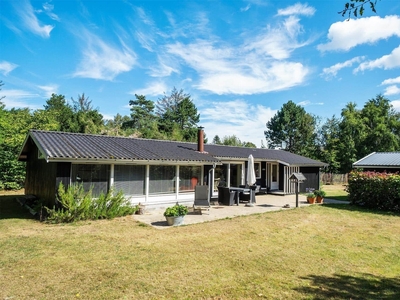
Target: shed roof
<point>57,146</point>
<point>379,159</point>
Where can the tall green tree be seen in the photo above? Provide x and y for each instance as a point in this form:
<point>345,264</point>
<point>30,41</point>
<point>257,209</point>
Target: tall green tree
<point>293,130</point>
<point>351,135</point>
<point>143,119</point>
<point>328,144</point>
<point>87,118</point>
<point>178,116</point>
<point>382,126</point>
<point>57,108</point>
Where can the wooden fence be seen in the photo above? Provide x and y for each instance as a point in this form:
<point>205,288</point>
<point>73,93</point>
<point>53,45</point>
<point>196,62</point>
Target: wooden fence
<point>330,178</point>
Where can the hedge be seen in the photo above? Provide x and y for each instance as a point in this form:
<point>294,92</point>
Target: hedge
<point>375,190</point>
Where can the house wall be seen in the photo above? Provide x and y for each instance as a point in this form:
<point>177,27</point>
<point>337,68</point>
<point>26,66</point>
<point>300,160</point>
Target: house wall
<point>40,178</point>
<point>313,178</point>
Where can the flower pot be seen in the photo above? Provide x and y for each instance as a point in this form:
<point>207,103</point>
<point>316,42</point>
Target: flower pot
<point>311,200</point>
<point>320,199</point>
<point>175,221</point>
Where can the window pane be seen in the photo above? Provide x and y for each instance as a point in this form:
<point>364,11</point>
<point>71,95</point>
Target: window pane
<point>162,179</point>
<point>129,179</point>
<point>189,177</point>
<point>96,176</point>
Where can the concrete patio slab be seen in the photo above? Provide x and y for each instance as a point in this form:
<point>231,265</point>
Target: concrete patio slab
<point>264,203</point>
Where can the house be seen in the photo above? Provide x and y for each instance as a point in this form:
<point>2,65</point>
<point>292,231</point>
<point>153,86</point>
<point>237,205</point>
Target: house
<point>152,172</point>
<point>380,162</point>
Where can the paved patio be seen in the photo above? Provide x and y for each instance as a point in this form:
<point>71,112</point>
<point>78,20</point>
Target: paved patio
<point>264,203</point>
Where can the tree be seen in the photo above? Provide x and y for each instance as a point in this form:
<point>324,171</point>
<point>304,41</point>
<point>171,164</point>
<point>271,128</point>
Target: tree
<point>178,116</point>
<point>87,119</point>
<point>356,7</point>
<point>382,126</point>
<point>351,135</point>
<point>116,126</point>
<point>57,108</point>
<point>143,119</point>
<point>328,144</point>
<point>216,140</point>
<point>293,130</point>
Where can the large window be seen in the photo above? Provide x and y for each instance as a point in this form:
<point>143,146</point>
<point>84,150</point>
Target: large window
<point>162,179</point>
<point>95,176</point>
<point>189,177</point>
<point>129,179</point>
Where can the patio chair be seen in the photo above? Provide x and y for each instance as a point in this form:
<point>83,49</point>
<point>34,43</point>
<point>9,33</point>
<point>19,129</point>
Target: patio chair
<point>201,200</point>
<point>225,196</point>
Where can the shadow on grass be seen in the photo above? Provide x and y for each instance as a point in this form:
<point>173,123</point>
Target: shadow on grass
<point>340,198</point>
<point>359,286</point>
<point>11,209</point>
<point>356,208</point>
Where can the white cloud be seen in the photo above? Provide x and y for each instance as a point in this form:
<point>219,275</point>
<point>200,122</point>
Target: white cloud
<point>279,41</point>
<point>223,71</point>
<point>350,33</point>
<point>49,89</point>
<point>396,105</point>
<point>308,103</point>
<point>19,99</point>
<point>297,9</point>
<point>153,89</point>
<point>242,9</point>
<point>386,62</point>
<point>6,67</point>
<point>391,81</point>
<point>103,61</point>
<point>392,90</point>
<point>238,118</point>
<point>48,8</point>
<point>30,21</point>
<point>333,70</point>
<point>163,68</point>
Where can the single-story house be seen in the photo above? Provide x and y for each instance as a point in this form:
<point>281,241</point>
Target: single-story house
<point>380,162</point>
<point>153,172</point>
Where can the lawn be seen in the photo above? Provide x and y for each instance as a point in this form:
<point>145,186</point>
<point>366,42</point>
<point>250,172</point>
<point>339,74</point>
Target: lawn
<point>316,252</point>
<point>336,191</point>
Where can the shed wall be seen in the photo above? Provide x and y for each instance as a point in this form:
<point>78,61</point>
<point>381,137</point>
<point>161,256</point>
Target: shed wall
<point>312,175</point>
<point>40,178</point>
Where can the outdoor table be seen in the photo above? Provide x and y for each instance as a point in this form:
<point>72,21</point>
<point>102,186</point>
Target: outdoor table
<point>238,190</point>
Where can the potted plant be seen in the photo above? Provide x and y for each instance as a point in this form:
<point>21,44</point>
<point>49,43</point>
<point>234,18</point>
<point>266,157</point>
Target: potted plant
<point>311,198</point>
<point>175,214</point>
<point>320,194</point>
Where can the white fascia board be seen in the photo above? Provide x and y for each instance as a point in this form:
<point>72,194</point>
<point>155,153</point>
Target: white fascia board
<point>128,162</point>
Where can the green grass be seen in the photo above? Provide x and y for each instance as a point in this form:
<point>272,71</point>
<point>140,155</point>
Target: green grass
<point>316,252</point>
<point>336,192</point>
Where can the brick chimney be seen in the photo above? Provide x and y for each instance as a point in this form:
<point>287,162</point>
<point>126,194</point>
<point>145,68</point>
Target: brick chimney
<point>200,139</point>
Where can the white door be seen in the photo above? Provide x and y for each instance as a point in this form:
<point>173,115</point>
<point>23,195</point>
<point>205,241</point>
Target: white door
<point>274,177</point>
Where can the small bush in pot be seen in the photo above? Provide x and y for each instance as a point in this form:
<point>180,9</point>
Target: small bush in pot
<point>174,214</point>
<point>320,194</point>
<point>311,198</point>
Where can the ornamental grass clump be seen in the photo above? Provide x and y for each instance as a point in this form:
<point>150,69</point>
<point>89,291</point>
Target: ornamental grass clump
<point>76,204</point>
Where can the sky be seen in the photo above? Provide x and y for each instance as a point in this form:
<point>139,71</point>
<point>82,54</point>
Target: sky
<point>240,61</point>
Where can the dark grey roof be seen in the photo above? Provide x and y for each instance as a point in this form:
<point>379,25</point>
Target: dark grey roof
<point>230,152</point>
<point>379,159</point>
<point>73,146</point>
<point>63,145</point>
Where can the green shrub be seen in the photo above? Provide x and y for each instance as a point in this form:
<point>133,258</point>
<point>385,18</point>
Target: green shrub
<point>320,193</point>
<point>375,190</point>
<point>74,204</point>
<point>176,211</point>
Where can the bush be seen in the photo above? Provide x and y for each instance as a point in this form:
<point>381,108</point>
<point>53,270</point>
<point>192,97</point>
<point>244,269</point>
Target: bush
<point>176,211</point>
<point>375,190</point>
<point>74,204</point>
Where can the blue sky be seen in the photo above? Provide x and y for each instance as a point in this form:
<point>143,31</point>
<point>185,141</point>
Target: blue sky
<point>239,60</point>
